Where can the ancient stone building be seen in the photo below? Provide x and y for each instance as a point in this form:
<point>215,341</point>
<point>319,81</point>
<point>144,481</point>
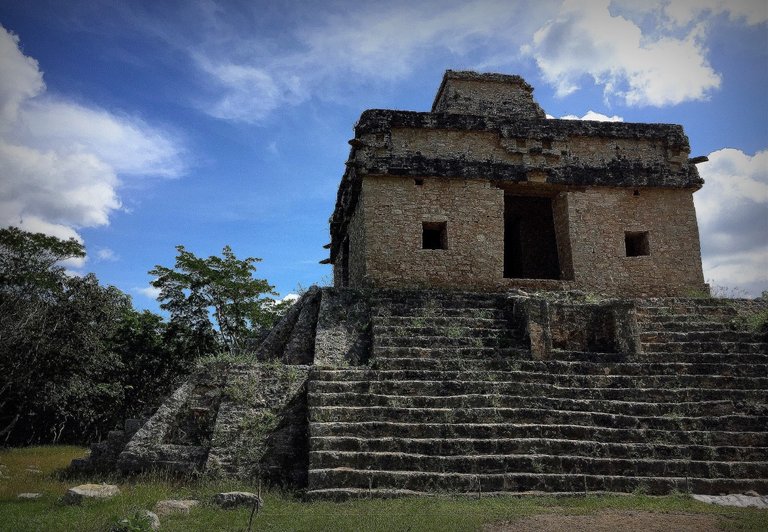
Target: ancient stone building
<point>384,388</point>
<point>484,192</point>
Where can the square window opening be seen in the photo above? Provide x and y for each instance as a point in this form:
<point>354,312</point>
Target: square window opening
<point>434,235</point>
<point>636,243</point>
<point>419,182</point>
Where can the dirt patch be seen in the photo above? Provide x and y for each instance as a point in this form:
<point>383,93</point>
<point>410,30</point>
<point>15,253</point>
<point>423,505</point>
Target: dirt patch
<point>610,522</point>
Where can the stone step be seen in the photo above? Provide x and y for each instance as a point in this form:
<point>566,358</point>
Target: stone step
<point>658,357</point>
<point>674,311</point>
<point>451,352</point>
<point>440,321</point>
<point>349,414</point>
<point>545,377</point>
<point>429,299</point>
<point>535,463</point>
<point>408,311</point>
<point>570,367</point>
<point>675,409</point>
<point>547,446</point>
<point>524,482</point>
<point>386,331</point>
<point>706,347</point>
<point>664,324</point>
<point>698,336</point>
<point>446,341</point>
<point>382,429</point>
<point>461,387</point>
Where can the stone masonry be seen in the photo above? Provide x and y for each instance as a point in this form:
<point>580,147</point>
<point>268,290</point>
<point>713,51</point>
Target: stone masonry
<point>486,193</point>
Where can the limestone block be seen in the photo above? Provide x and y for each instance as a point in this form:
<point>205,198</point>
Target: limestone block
<point>174,506</point>
<point>740,501</point>
<point>78,494</point>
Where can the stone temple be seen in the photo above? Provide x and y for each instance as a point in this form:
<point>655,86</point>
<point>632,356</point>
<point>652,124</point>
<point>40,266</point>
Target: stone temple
<point>518,307</point>
<point>485,193</point>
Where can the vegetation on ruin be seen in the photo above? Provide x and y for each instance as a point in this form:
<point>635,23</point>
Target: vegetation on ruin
<point>286,511</point>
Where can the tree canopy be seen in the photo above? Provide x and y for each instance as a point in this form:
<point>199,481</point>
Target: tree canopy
<point>220,287</point>
<point>75,357</point>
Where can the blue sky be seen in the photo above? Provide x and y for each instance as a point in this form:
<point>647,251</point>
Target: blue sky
<point>137,126</point>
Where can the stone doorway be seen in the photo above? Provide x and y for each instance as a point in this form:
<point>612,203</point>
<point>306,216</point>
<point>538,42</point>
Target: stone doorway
<point>530,242</point>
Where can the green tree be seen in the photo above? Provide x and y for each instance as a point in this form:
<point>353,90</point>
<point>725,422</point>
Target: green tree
<point>58,374</point>
<point>33,260</point>
<point>75,357</point>
<point>222,288</point>
<point>154,355</point>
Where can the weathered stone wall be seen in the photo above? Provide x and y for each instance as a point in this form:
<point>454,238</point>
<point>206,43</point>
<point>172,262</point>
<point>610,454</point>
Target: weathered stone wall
<point>590,227</point>
<point>608,326</point>
<point>357,245</point>
<point>486,94</point>
<point>560,218</point>
<point>261,427</point>
<point>550,152</point>
<point>598,219</point>
<point>395,210</point>
<point>343,331</point>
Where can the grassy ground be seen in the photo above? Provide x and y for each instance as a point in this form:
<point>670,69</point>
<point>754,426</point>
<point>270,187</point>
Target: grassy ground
<point>285,512</point>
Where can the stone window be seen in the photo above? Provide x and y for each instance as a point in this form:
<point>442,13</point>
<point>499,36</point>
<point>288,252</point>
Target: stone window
<point>434,235</point>
<point>636,243</point>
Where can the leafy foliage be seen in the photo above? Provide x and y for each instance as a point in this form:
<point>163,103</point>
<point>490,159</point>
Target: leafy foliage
<point>75,357</point>
<point>223,288</point>
<point>57,372</point>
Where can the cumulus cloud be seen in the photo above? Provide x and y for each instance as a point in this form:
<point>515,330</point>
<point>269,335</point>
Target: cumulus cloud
<point>106,254</point>
<point>148,291</point>
<point>732,210</point>
<point>592,115</point>
<point>585,39</point>
<point>61,162</point>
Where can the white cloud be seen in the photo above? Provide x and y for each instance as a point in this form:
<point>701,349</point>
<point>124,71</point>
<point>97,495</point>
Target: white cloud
<point>106,254</point>
<point>592,115</point>
<point>289,297</point>
<point>682,12</point>
<point>21,78</point>
<point>586,40</point>
<point>342,48</point>
<point>732,210</point>
<point>62,162</point>
<point>148,291</point>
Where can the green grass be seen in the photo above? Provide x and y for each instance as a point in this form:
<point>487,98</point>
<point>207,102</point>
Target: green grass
<point>283,511</point>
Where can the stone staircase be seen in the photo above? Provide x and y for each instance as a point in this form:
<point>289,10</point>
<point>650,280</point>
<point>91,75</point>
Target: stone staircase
<point>454,402</point>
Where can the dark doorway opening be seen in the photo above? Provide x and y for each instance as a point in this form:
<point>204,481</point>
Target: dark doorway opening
<point>530,242</point>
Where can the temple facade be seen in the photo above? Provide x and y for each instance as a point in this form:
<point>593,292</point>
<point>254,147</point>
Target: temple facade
<point>486,193</point>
